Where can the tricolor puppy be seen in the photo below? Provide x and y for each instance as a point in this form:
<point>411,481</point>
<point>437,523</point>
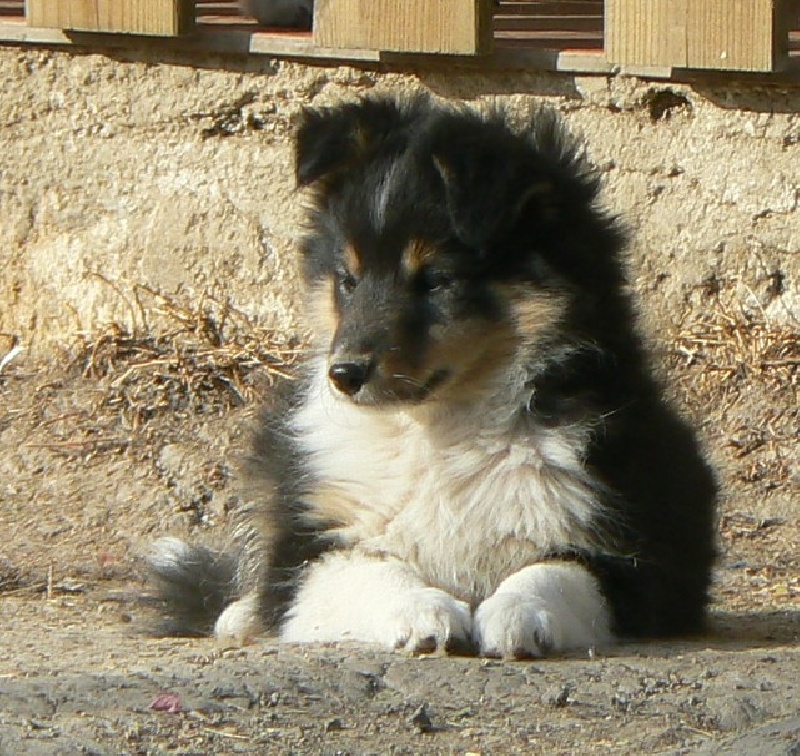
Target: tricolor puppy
<point>477,458</point>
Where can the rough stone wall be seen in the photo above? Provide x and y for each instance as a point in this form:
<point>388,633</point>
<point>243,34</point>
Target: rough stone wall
<point>121,175</point>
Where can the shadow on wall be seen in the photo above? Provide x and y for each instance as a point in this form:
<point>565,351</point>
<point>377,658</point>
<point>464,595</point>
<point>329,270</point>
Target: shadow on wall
<point>760,93</point>
<point>469,83</point>
<point>755,93</point>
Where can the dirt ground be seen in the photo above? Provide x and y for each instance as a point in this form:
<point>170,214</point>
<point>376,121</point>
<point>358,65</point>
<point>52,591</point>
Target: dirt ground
<point>128,436</point>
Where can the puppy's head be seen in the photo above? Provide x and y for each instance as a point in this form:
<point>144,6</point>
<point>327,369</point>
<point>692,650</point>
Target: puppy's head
<point>440,246</point>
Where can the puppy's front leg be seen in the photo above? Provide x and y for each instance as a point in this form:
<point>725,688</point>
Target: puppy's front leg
<point>542,609</point>
<point>363,598</point>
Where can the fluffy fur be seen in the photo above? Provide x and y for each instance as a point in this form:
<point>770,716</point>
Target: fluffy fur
<point>477,457</point>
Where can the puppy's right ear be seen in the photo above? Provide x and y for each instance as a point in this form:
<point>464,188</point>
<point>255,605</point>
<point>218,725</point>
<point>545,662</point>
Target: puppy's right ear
<point>331,140</point>
<point>326,140</point>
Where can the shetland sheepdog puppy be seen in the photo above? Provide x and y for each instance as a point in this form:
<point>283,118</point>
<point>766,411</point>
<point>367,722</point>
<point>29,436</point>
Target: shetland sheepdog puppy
<point>476,457</point>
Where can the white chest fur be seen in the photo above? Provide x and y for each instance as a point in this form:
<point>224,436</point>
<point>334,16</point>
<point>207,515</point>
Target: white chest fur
<point>466,495</point>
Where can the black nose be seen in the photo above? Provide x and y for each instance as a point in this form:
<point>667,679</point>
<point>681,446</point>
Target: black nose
<point>349,377</point>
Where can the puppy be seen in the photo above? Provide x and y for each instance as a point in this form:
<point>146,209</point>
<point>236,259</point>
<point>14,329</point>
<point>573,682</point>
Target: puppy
<point>477,457</point>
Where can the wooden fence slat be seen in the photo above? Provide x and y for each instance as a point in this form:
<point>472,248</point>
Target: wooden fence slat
<point>746,35</point>
<point>422,26</point>
<point>743,35</point>
<point>154,17</point>
<point>646,32</point>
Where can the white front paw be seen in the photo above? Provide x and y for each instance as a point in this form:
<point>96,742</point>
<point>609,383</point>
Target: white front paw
<point>428,619</point>
<point>513,625</point>
<point>240,622</point>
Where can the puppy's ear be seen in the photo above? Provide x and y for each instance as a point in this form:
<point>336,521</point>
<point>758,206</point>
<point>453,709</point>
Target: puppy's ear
<point>496,179</point>
<point>326,140</point>
<point>332,140</point>
<point>487,192</point>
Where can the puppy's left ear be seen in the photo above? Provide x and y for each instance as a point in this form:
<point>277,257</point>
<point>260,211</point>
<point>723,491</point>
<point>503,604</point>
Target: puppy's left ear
<point>497,178</point>
<point>491,185</point>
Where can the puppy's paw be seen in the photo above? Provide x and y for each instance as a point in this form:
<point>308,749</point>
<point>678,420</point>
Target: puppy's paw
<point>541,609</point>
<point>428,620</point>
<point>240,623</point>
<point>516,626</point>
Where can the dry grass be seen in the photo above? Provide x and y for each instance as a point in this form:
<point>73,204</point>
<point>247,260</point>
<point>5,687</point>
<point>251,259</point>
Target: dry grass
<point>206,357</point>
<point>183,359</point>
<point>728,348</point>
<point>730,360</point>
<point>209,357</point>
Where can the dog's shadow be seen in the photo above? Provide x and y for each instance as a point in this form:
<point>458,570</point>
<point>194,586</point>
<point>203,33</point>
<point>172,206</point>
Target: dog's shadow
<point>754,629</point>
<point>726,631</point>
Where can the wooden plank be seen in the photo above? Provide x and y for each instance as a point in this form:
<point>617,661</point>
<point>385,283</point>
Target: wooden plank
<point>741,35</point>
<point>155,17</point>
<point>514,23</point>
<point>507,57</point>
<point>456,27</point>
<point>550,7</point>
<point>646,32</point>
<point>738,35</point>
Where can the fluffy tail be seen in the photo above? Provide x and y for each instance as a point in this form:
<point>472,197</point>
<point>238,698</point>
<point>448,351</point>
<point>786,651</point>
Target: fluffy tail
<point>194,583</point>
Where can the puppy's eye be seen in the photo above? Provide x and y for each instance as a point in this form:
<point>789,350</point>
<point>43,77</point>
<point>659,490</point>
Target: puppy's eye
<point>346,281</point>
<point>431,279</point>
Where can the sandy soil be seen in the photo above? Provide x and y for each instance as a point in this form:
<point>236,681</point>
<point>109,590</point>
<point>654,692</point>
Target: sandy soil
<point>86,477</point>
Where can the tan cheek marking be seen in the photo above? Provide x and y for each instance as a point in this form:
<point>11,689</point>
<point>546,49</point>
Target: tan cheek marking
<point>415,255</point>
<point>534,313</point>
<point>477,355</point>
<point>480,351</point>
<point>352,261</point>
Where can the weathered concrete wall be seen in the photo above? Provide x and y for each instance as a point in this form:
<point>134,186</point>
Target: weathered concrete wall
<point>118,172</point>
